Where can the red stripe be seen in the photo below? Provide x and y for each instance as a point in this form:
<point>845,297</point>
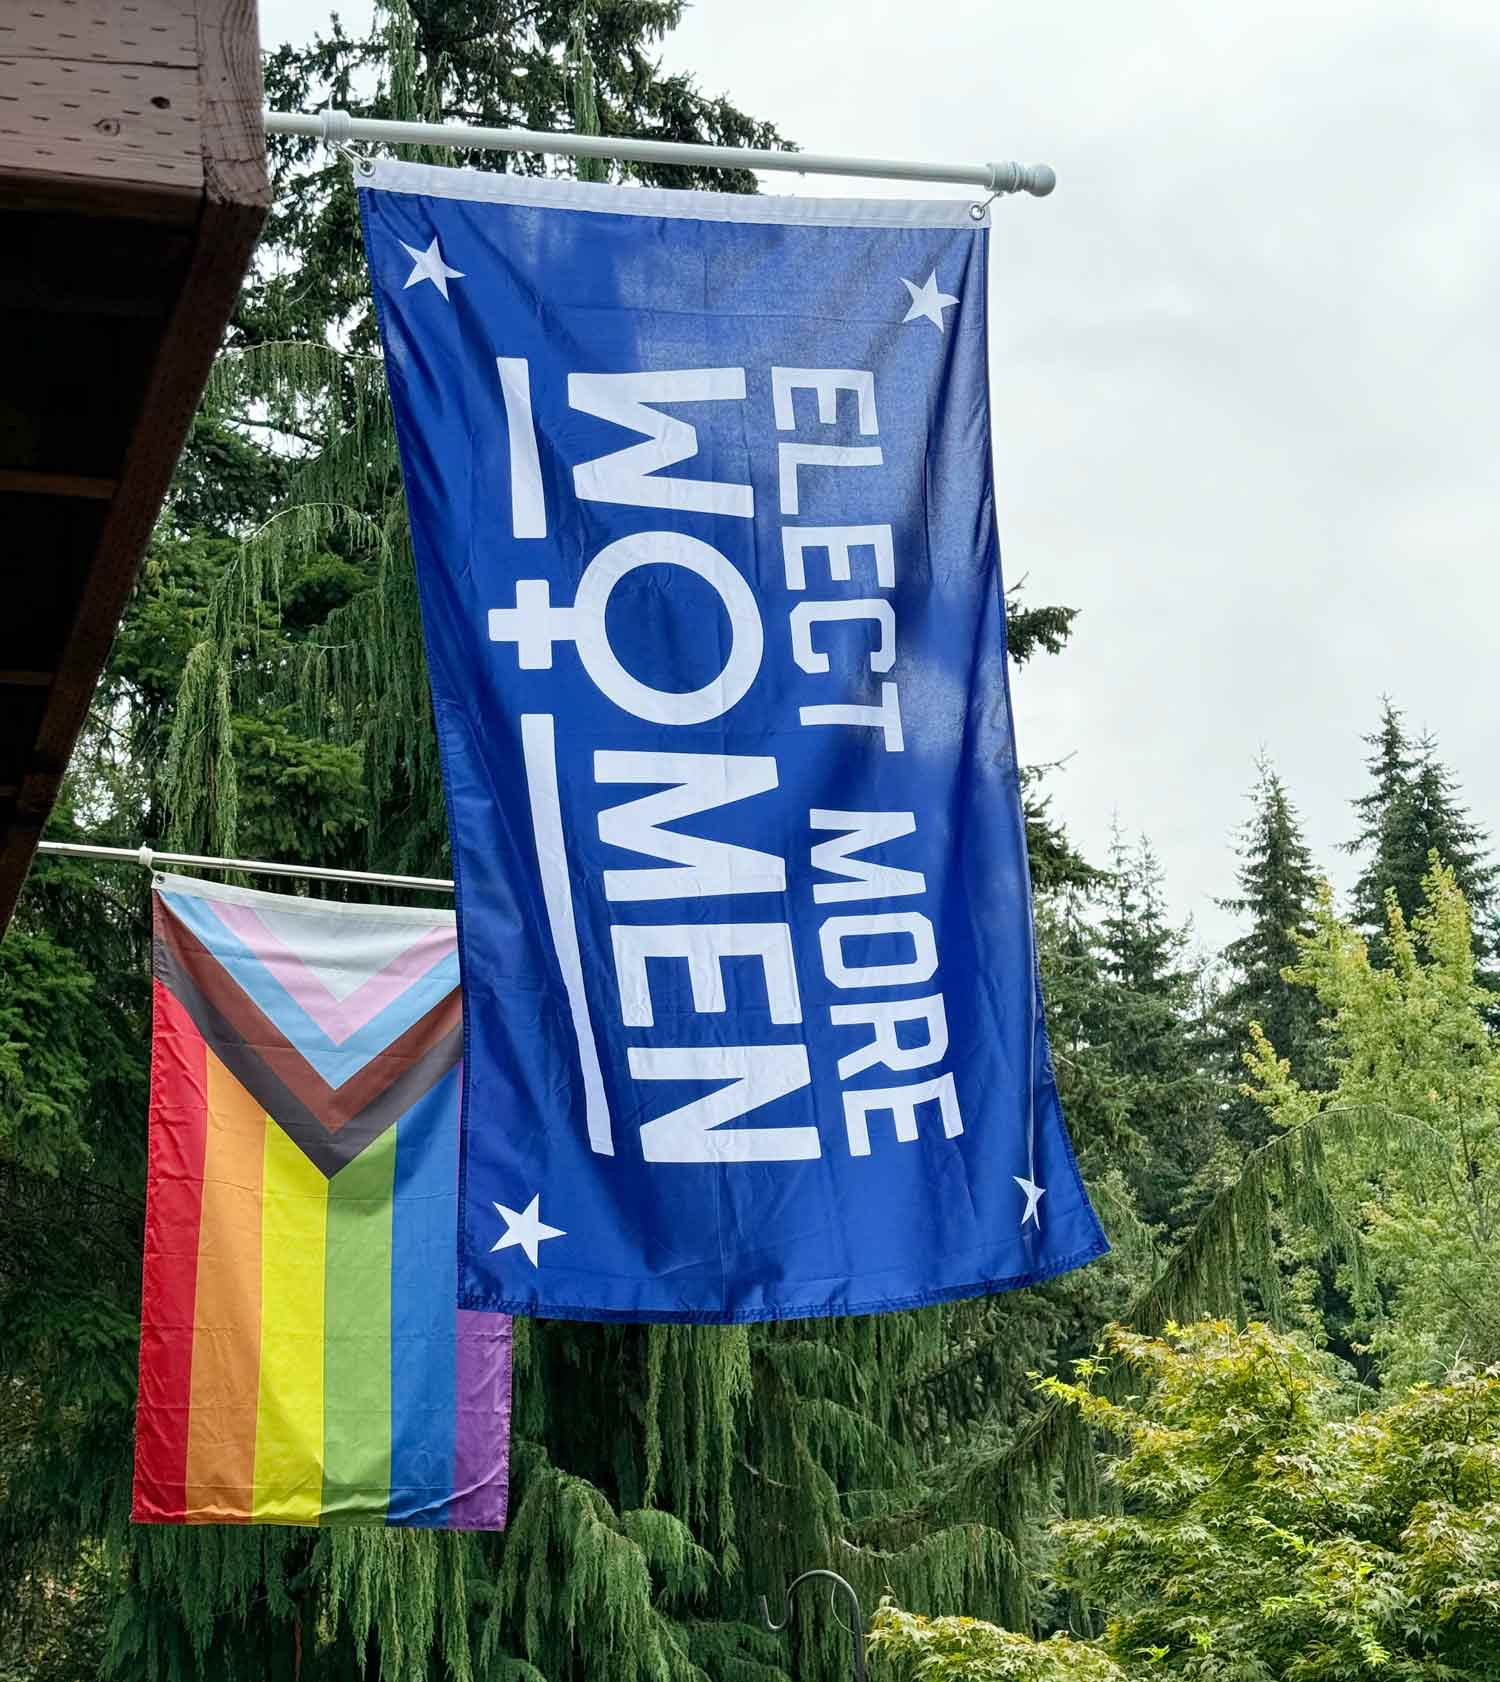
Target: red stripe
<point>169,1283</point>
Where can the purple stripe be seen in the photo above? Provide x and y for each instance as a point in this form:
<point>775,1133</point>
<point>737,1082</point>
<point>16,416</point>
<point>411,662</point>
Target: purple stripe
<point>481,1453</point>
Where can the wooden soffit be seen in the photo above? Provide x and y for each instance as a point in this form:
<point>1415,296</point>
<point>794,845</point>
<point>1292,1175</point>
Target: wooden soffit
<point>132,189</point>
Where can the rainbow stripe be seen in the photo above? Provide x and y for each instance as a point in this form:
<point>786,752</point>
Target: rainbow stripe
<point>303,1360</point>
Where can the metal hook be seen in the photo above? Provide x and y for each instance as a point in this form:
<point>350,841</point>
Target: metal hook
<point>976,211</point>
<point>363,163</point>
<point>838,1582</point>
<point>833,1607</point>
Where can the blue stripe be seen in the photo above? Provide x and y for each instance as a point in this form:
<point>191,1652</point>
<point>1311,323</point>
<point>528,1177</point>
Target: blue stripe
<point>335,1063</point>
<point>424,1293</point>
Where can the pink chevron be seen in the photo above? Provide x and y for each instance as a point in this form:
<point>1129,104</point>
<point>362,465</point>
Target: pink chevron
<point>339,1019</point>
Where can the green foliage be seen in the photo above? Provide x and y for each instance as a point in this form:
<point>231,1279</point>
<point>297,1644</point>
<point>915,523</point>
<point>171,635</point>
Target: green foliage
<point>1278,890</point>
<point>1412,1056</point>
<point>44,992</point>
<point>1269,1526</point>
<point>963,1649</point>
<point>1035,630</point>
<point>1007,1489</point>
<point>1411,811</point>
<point>585,98</point>
<point>72,1031</point>
<point>1271,1530</point>
<point>224,477</point>
<point>1055,863</point>
<point>401,1594</point>
<point>1139,1014</point>
<point>575,1587</point>
<point>61,1638</point>
<point>293,788</point>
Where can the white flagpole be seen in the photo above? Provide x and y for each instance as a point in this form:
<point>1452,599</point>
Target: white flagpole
<point>338,128</point>
<point>149,859</point>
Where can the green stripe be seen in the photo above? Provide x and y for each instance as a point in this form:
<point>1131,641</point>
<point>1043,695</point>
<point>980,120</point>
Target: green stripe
<point>357,1347</point>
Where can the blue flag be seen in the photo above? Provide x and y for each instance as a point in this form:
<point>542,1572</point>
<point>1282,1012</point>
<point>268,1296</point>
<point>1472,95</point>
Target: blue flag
<point>704,527</point>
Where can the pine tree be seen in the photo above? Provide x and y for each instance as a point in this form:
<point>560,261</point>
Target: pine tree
<point>1278,894</point>
<point>1145,1025</point>
<point>1443,823</point>
<point>1412,811</point>
<point>1055,863</point>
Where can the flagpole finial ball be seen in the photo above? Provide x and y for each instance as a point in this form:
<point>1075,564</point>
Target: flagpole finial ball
<point>1036,179</point>
<point>1043,180</point>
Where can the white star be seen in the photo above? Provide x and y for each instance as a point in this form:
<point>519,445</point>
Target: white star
<point>1034,1195</point>
<point>527,1229</point>
<point>429,265</point>
<point>927,303</point>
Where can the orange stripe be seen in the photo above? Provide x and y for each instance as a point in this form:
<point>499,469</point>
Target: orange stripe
<point>226,1332</point>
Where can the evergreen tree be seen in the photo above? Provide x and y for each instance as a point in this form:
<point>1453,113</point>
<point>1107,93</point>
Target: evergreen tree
<point>1145,1026</point>
<point>1442,824</point>
<point>1055,863</point>
<point>1278,894</point>
<point>1413,810</point>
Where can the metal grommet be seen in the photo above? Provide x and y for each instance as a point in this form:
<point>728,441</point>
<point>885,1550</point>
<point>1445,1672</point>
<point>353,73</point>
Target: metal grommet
<point>976,211</point>
<point>361,163</point>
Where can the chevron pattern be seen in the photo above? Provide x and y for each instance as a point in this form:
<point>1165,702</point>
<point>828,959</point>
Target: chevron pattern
<point>335,1072</point>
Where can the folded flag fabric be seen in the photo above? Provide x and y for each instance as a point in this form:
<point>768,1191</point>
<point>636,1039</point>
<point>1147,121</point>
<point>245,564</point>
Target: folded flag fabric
<point>705,535</point>
<point>303,1360</point>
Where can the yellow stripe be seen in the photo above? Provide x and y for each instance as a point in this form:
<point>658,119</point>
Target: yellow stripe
<point>289,1419</point>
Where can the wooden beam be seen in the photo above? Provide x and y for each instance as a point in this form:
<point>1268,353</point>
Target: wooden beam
<point>109,133</point>
<point>20,479</point>
<point>102,32</point>
<point>234,136</point>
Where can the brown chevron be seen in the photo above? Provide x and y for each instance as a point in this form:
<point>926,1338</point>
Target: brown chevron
<point>332,1125</point>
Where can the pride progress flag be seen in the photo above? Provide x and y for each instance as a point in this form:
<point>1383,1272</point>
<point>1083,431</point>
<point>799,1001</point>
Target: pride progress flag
<point>302,1358</point>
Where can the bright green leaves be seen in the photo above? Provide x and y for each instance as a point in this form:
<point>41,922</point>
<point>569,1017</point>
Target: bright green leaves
<point>1268,1530</point>
<point>967,1650</point>
<point>1416,1103</point>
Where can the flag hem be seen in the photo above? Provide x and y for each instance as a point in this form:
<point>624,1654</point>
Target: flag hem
<point>813,1311</point>
<point>435,916</point>
<point>491,187</point>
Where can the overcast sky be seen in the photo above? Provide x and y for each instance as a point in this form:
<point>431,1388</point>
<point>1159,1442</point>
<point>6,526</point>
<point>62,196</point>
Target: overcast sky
<point>1246,376</point>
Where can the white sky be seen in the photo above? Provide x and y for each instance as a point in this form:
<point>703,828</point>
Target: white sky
<point>1246,376</point>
